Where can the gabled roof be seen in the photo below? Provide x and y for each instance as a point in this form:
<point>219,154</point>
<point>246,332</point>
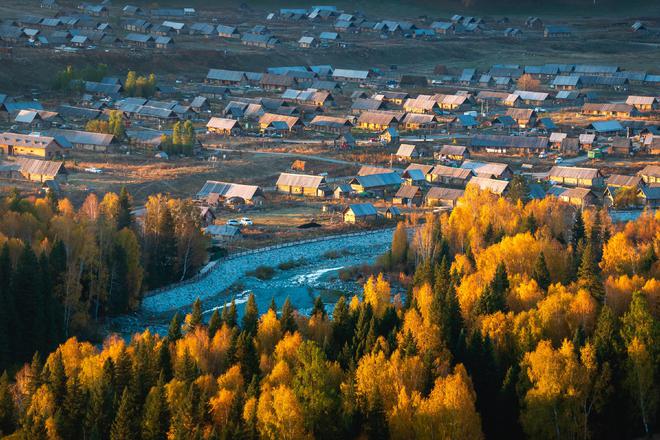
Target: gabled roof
<point>82,137</point>
<point>221,123</point>
<point>650,170</point>
<point>406,150</point>
<point>225,75</point>
<point>352,74</point>
<point>623,180</point>
<point>451,172</point>
<point>407,191</point>
<point>362,209</point>
<point>378,180</point>
<point>46,168</point>
<point>228,190</point>
<point>573,172</point>
<point>486,168</point>
<point>441,193</point>
<point>300,180</point>
<point>493,185</point>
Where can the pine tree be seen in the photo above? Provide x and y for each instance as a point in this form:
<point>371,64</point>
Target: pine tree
<point>73,409</point>
<point>272,306</point>
<point>29,301</point>
<point>376,427</point>
<point>230,314</point>
<point>119,289</point>
<point>99,415</point>
<point>399,244</point>
<point>287,321</point>
<point>251,316</point>
<point>186,368</point>
<point>7,311</point>
<point>246,355</point>
<point>7,409</point>
<point>124,216</point>
<point>588,274</point>
<point>214,323</point>
<point>493,298</point>
<point>195,316</point>
<point>155,421</point>
<point>57,382</point>
<point>319,307</point>
<point>174,330</point>
<point>540,272</point>
<point>577,233</point>
<point>123,425</point>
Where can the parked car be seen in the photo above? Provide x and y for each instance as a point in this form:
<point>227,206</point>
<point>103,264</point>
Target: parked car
<point>233,222</point>
<point>246,221</point>
<point>94,170</point>
<point>559,160</point>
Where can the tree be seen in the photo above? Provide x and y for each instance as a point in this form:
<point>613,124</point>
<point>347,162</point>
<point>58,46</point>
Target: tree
<point>286,318</point>
<point>214,323</point>
<point>400,244</point>
<point>588,274</point>
<point>174,330</point>
<point>317,390</point>
<point>493,298</point>
<point>124,216</point>
<point>518,189</point>
<point>29,301</point>
<point>195,318</point>
<point>123,425</point>
<point>155,420</point>
<point>528,82</point>
<point>251,316</point>
<point>541,273</point>
<point>7,409</point>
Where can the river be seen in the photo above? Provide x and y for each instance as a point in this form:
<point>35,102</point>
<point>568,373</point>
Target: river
<point>227,279</point>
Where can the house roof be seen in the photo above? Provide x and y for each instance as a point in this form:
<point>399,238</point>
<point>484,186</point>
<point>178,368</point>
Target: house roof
<point>608,107</point>
<point>623,180</point>
<point>503,141</point>
<point>82,137</point>
<point>378,180</point>
<point>300,180</point>
<point>641,100</point>
<point>650,170</point>
<point>407,191</point>
<point>425,169</point>
<point>606,126</point>
<point>573,172</point>
<point>406,150</point>
<point>221,123</point>
<point>566,80</point>
<point>452,150</point>
<point>228,190</point>
<point>35,141</point>
<point>350,73</point>
<point>486,168</point>
<point>451,172</point>
<point>376,118</point>
<point>225,75</point>
<point>493,185</point>
<point>361,209</point>
<point>441,193</point>
<point>46,168</point>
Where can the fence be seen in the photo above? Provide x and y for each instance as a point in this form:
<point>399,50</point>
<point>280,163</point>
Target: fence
<point>209,268</point>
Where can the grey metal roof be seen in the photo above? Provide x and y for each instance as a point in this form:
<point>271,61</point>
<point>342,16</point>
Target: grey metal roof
<point>377,180</point>
<point>225,75</point>
<point>300,180</point>
<point>362,209</point>
<point>228,190</point>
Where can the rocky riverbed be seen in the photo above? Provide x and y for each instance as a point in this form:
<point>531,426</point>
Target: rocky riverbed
<point>319,264</point>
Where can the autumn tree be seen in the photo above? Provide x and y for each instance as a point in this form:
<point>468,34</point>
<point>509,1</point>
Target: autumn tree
<point>528,82</point>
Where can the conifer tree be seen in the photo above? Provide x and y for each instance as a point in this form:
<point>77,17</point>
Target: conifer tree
<point>286,319</point>
<point>589,275</point>
<point>29,301</point>
<point>7,409</point>
<point>124,216</point>
<point>174,330</point>
<point>195,319</point>
<point>540,272</point>
<point>214,323</point>
<point>251,316</point>
<point>230,314</point>
<point>123,424</point>
<point>319,307</point>
<point>155,420</point>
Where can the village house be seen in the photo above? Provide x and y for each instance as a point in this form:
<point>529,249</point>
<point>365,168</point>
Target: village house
<point>214,193</point>
<point>495,186</point>
<point>374,121</point>
<point>623,181</point>
<point>389,136</point>
<point>395,98</point>
<point>416,176</point>
<point>643,103</point>
<point>307,41</point>
<point>421,104</point>
<point>509,144</point>
<point>348,75</point>
<point>15,144</point>
<point>377,184</point>
<point>567,82</point>
<point>223,233</point>
<point>586,141</point>
<point>408,195</point>
<point>224,126</point>
<point>228,32</point>
<point>302,184</point>
<point>330,124</point>
<point>280,123</point>
<point>450,176</point>
<point>616,110</point>
<point>366,104</point>
<point>650,174</point>
<point>226,77</point>
<point>84,140</point>
<point>275,82</point>
<point>553,31</point>
<point>360,213</point>
<point>408,152</point>
<point>456,153</point>
<point>42,170</point>
<point>524,117</point>
<point>342,191</point>
<point>417,121</point>
<point>578,197</point>
<point>37,119</point>
<point>443,197</point>
<point>650,196</point>
<point>620,146</point>
<point>492,170</point>
<point>576,176</point>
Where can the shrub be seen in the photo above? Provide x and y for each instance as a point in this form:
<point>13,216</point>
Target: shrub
<point>262,272</point>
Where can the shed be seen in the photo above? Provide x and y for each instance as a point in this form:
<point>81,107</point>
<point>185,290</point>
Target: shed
<point>359,213</point>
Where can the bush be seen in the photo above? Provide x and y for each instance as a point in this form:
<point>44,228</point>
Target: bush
<point>334,254</point>
<point>262,272</point>
<point>290,264</point>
